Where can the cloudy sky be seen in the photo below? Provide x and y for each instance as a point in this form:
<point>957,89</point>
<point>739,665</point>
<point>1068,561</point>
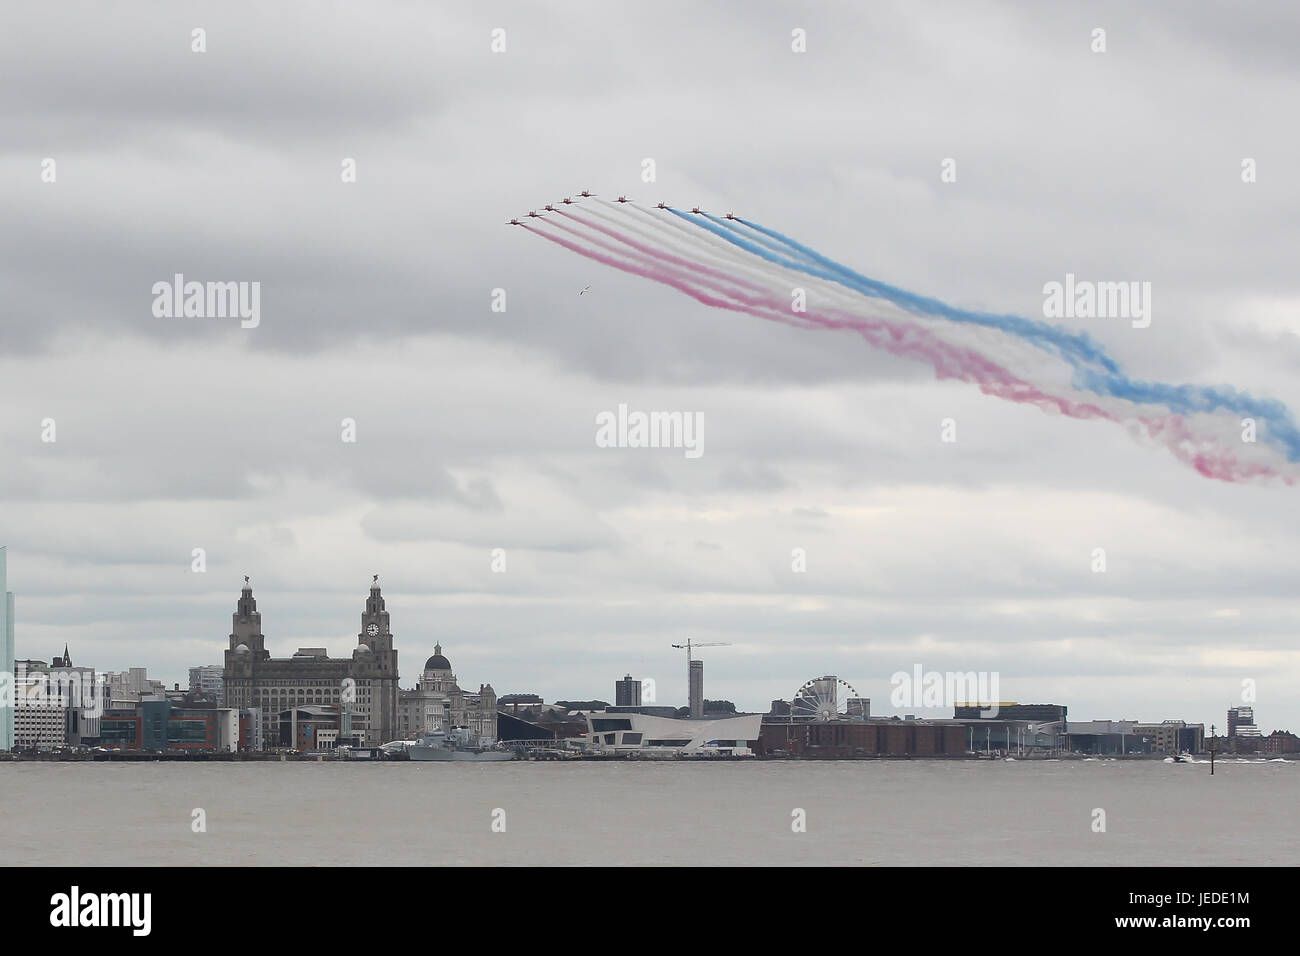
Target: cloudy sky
<point>475,429</point>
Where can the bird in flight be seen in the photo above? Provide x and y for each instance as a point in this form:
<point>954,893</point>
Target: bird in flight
<point>585,290</point>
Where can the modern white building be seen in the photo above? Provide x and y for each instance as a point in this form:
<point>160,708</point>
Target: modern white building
<point>624,733</point>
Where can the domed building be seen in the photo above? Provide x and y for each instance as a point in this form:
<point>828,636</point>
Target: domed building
<point>437,704</point>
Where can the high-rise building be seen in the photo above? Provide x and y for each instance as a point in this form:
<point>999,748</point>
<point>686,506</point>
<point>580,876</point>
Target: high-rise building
<point>627,692</point>
<point>697,688</point>
<point>1241,722</point>
<point>363,686</point>
<point>7,653</point>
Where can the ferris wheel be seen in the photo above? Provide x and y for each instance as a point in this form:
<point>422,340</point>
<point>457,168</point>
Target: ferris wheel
<point>824,698</point>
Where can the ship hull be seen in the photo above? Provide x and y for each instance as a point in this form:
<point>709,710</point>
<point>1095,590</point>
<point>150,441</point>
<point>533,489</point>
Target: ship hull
<point>443,754</point>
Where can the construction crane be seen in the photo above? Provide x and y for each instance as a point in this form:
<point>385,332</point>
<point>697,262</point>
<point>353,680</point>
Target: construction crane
<point>687,648</point>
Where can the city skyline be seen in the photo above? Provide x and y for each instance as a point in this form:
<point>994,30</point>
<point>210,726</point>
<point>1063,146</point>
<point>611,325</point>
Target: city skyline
<point>132,438</point>
<point>881,707</point>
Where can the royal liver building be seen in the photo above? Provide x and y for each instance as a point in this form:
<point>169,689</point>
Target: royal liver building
<point>363,688</point>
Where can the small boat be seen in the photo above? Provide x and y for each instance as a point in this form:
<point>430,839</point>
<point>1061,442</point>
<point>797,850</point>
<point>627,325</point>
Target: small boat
<point>1184,757</point>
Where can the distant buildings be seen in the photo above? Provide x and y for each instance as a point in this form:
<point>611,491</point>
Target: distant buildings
<point>1280,742</point>
<point>437,704</point>
<point>129,686</point>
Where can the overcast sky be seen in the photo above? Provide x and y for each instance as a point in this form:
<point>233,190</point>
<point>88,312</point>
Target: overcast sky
<point>475,429</point>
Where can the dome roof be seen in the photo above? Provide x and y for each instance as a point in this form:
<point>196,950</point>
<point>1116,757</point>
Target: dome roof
<point>437,662</point>
<point>242,649</point>
<point>362,649</point>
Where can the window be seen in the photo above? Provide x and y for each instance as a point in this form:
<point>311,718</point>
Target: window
<point>608,723</point>
<point>631,738</point>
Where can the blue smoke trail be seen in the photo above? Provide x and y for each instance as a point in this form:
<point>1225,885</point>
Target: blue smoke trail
<point>1281,429</point>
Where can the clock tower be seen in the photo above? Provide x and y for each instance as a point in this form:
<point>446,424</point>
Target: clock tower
<point>374,670</point>
<point>374,625</point>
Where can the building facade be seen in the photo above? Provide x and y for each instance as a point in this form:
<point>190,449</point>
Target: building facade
<point>437,704</point>
<point>627,692</point>
<point>1241,722</point>
<point>363,687</point>
<point>211,681</point>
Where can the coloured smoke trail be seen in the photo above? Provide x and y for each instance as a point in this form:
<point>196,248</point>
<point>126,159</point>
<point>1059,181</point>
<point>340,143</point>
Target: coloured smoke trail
<point>735,264</point>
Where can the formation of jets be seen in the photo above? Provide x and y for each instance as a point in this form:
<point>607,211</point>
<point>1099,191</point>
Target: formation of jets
<point>585,194</point>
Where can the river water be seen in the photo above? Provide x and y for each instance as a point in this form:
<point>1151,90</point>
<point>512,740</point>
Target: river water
<point>888,812</point>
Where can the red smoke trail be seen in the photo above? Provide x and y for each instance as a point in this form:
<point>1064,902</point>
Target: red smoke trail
<point>948,362</point>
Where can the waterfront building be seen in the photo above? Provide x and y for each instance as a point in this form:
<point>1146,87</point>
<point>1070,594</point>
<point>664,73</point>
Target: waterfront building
<point>6,651</point>
<point>624,732</point>
<point>1172,737</point>
<point>437,704</point>
<point>40,708</point>
<point>364,687</point>
<point>1280,742</point>
<point>627,692</point>
<point>157,724</point>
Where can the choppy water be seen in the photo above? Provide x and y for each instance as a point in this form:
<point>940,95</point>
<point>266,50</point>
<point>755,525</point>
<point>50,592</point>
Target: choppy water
<point>575,813</point>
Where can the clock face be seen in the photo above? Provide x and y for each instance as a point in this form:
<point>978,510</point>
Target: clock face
<point>372,629</point>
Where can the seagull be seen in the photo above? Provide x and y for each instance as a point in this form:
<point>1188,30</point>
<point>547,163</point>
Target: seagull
<point>585,291</point>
